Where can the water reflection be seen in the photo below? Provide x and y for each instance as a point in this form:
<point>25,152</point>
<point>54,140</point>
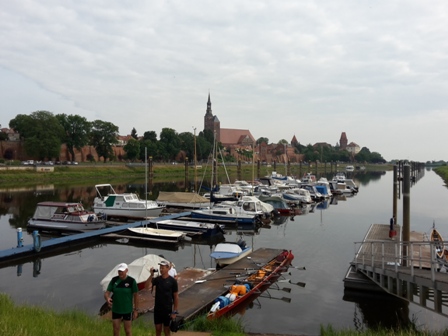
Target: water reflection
<point>326,250</point>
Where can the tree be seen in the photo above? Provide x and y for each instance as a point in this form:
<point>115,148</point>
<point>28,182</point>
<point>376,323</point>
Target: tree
<point>187,144</point>
<point>42,134</point>
<point>134,133</point>
<point>261,140</point>
<point>132,149</point>
<point>283,141</point>
<point>150,135</point>
<point>76,132</point>
<point>169,143</point>
<point>103,136</point>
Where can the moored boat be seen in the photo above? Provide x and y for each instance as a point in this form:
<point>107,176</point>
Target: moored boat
<point>227,253</point>
<point>242,290</point>
<point>190,227</point>
<point>158,233</point>
<point>125,205</point>
<point>65,216</point>
<point>439,244</point>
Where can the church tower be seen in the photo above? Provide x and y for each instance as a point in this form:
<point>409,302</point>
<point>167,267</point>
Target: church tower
<point>212,122</point>
<point>343,141</point>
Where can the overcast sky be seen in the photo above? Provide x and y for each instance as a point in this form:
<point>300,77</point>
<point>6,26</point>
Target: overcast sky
<point>377,70</point>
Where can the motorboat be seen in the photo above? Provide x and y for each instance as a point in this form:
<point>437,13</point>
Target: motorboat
<point>227,253</point>
<point>349,168</point>
<point>158,233</point>
<point>125,205</point>
<point>224,213</point>
<point>279,204</point>
<point>139,269</point>
<point>189,227</point>
<point>65,216</point>
<point>244,288</point>
<point>251,205</point>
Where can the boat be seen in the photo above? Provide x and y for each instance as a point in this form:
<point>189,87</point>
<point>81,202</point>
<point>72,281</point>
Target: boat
<point>158,233</point>
<point>349,168</point>
<point>65,216</point>
<point>255,283</point>
<point>439,245</point>
<point>138,269</point>
<point>223,213</point>
<point>189,227</point>
<point>279,204</point>
<point>125,205</point>
<point>227,253</point>
<point>184,200</point>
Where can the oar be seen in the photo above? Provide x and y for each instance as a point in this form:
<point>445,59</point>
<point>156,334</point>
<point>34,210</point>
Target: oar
<point>299,268</point>
<point>284,289</point>
<point>221,278</point>
<point>285,299</point>
<point>300,284</point>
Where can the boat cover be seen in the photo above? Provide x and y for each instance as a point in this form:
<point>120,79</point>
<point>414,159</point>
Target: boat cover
<point>181,197</point>
<point>138,269</point>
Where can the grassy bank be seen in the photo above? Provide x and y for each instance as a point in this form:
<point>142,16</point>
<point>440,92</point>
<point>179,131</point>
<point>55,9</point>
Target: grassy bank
<point>443,173</point>
<point>31,320</point>
<point>161,173</point>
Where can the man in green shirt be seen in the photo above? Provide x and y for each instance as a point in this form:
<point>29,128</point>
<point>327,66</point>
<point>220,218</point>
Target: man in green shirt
<point>124,301</point>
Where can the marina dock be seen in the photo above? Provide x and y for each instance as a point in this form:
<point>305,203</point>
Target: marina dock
<point>409,270</point>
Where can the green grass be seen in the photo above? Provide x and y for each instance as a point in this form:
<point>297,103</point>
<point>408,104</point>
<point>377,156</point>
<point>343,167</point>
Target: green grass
<point>32,320</point>
<point>443,173</point>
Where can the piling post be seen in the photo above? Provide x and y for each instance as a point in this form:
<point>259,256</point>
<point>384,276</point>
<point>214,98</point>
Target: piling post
<point>394,194</point>
<point>275,165</point>
<point>19,237</point>
<point>406,211</point>
<point>150,168</point>
<point>186,174</point>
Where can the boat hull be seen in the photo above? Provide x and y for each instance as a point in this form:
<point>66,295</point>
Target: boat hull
<point>227,258</point>
<point>158,233</point>
<point>213,216</point>
<point>258,285</point>
<point>65,226</point>
<point>131,213</point>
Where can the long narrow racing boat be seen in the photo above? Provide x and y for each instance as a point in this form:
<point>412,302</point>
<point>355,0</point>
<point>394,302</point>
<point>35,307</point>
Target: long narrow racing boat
<point>255,283</point>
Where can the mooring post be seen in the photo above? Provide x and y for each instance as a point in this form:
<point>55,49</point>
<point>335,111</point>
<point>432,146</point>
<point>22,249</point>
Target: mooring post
<point>186,174</point>
<point>394,194</point>
<point>151,173</point>
<point>19,237</point>
<point>406,211</point>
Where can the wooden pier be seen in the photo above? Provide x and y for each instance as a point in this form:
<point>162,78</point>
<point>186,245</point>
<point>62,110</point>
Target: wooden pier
<point>406,269</point>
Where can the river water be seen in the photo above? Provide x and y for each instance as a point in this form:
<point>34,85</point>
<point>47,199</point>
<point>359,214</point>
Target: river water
<point>322,240</point>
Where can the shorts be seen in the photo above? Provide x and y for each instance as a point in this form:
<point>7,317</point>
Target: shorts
<point>162,317</point>
<point>124,317</point>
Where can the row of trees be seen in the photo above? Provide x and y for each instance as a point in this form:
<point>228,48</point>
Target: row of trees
<point>43,133</point>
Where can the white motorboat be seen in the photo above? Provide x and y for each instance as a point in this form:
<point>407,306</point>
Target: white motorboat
<point>65,216</point>
<point>158,233</point>
<point>349,168</point>
<point>126,205</point>
<point>227,253</point>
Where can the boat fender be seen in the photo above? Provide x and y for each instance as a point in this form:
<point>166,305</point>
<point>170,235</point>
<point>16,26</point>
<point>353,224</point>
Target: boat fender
<point>36,241</point>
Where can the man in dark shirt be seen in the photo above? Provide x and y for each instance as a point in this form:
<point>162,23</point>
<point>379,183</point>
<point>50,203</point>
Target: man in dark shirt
<point>166,302</point>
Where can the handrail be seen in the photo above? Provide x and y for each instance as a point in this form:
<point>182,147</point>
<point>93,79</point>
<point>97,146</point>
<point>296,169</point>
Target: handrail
<point>399,254</point>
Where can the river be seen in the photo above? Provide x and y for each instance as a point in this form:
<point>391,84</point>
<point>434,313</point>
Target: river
<point>322,241</point>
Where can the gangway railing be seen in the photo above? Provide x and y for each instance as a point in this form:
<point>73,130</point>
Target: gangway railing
<point>410,270</point>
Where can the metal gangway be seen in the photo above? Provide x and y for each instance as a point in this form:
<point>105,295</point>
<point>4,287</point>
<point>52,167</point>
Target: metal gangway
<point>409,270</point>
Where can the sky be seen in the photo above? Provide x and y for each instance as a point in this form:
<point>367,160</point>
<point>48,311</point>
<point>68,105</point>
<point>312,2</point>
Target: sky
<point>377,70</point>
